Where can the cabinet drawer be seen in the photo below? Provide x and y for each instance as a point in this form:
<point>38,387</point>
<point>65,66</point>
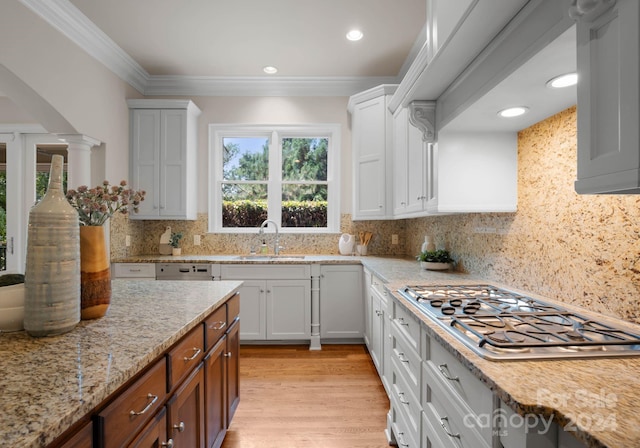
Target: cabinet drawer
<point>456,418</point>
<point>134,270</point>
<point>233,308</point>
<point>407,359</point>
<point>408,324</point>
<point>405,401</point>
<point>403,436</point>
<point>265,272</point>
<point>378,285</point>
<point>215,326</point>
<point>123,417</point>
<point>465,385</point>
<point>185,356</point>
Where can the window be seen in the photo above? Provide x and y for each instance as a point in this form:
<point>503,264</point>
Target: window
<point>288,174</point>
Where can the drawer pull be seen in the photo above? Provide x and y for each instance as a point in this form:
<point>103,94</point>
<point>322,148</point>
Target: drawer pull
<point>153,399</point>
<point>400,441</point>
<point>446,419</point>
<point>445,372</point>
<point>378,312</point>
<point>221,324</point>
<point>196,352</point>
<point>135,270</point>
<point>228,355</point>
<point>402,322</point>
<point>179,427</point>
<point>401,357</point>
<point>168,443</point>
<point>401,398</point>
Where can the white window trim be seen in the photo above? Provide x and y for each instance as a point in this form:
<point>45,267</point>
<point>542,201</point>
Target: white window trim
<point>274,132</point>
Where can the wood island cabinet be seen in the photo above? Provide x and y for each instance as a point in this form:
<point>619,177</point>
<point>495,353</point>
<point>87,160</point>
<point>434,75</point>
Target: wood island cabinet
<point>186,398</point>
<point>222,373</point>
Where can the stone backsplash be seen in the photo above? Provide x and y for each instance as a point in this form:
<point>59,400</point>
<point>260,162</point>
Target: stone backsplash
<point>145,237</point>
<point>581,249</point>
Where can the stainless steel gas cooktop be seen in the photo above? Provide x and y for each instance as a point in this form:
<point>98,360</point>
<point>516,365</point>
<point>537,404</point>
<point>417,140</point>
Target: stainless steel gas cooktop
<point>499,324</point>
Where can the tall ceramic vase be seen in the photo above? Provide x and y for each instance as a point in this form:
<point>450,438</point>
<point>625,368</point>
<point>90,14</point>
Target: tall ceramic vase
<point>95,273</point>
<point>52,276</point>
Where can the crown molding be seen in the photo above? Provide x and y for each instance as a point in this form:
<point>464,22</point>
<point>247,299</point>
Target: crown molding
<point>69,20</point>
<point>261,86</point>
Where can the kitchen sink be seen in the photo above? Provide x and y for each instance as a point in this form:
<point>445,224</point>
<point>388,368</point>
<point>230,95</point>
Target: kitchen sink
<point>270,257</point>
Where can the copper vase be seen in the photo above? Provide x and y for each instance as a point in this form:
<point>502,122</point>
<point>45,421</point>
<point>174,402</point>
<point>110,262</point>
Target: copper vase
<point>95,273</point>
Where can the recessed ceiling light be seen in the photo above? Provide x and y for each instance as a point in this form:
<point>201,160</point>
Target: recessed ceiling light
<point>566,80</point>
<point>270,70</point>
<point>513,111</point>
<point>354,35</point>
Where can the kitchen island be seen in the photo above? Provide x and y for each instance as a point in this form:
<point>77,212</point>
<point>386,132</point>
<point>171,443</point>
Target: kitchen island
<point>50,384</point>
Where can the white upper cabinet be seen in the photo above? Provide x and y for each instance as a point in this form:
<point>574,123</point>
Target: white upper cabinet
<point>163,157</point>
<point>608,97</point>
<point>372,139</point>
<point>409,167</point>
<point>472,172</point>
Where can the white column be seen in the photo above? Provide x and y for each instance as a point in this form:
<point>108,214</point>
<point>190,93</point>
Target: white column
<point>79,159</point>
<point>315,308</point>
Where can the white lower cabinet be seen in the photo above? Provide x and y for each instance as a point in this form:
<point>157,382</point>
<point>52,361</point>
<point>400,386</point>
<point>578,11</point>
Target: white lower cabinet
<point>275,301</point>
<point>341,302</point>
<point>377,334</point>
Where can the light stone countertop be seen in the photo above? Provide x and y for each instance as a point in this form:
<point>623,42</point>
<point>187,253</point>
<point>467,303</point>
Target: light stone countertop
<point>48,384</point>
<point>596,398</point>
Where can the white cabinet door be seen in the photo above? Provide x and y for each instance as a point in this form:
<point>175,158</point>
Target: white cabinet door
<point>163,157</point>
<point>173,163</point>
<point>372,131</point>
<point>341,302</point>
<point>145,158</point>
<point>288,309</point>
<point>609,100</point>
<point>377,319</point>
<point>253,310</point>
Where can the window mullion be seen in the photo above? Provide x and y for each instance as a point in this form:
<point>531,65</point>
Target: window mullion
<point>275,179</point>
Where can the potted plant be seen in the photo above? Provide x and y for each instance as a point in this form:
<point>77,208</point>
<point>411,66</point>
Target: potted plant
<point>174,242</point>
<point>437,260</point>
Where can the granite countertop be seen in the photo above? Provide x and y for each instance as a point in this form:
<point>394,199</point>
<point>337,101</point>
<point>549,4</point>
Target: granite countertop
<point>48,384</point>
<point>243,259</point>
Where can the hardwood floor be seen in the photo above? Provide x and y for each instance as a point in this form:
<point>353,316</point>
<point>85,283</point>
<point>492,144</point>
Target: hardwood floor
<point>293,397</point>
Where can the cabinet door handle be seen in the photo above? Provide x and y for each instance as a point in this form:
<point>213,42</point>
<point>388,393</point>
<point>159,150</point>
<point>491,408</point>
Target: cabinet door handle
<point>378,312</point>
<point>401,357</point>
<point>221,324</point>
<point>401,398</point>
<point>196,352</point>
<point>168,443</point>
<point>153,399</point>
<point>402,322</point>
<point>179,427</point>
<point>227,355</point>
<point>401,442</point>
<point>445,372</point>
<point>446,419</point>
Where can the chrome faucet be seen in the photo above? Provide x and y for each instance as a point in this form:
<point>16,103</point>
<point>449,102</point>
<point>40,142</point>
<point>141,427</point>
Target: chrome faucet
<point>276,246</point>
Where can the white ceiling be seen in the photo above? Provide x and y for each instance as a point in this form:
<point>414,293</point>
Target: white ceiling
<point>237,38</point>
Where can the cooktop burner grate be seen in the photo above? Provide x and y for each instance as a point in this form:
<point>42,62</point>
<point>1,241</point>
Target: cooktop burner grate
<point>501,324</point>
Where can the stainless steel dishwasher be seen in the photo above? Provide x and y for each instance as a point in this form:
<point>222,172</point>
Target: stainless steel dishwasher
<point>183,271</point>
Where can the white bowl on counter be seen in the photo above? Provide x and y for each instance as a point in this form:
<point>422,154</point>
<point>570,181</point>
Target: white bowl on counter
<point>12,307</point>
